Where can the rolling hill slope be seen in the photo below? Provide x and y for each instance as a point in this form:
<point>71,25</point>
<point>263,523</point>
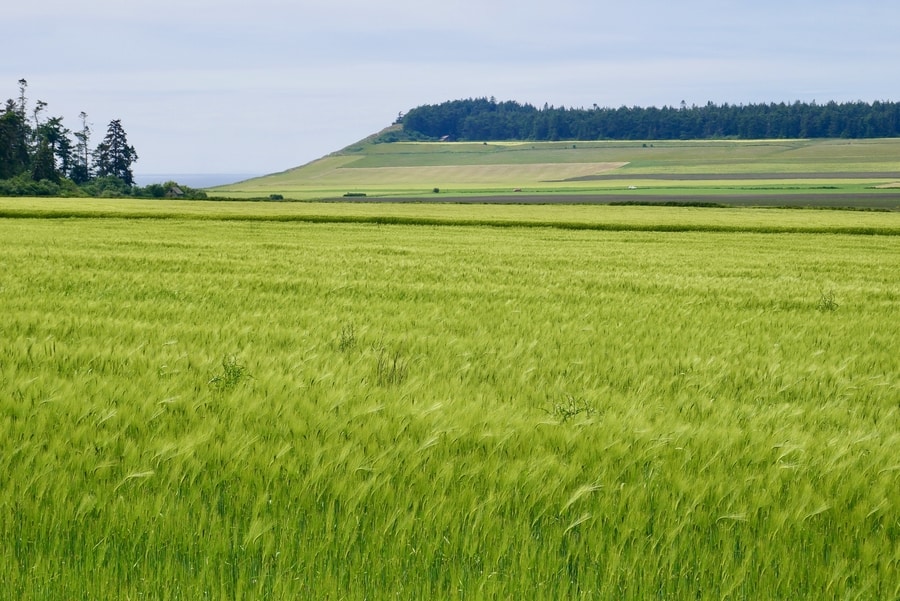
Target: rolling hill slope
<point>769,172</point>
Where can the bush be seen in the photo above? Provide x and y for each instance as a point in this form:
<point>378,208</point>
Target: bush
<point>24,185</point>
<point>101,187</point>
<point>169,189</point>
<point>154,191</point>
<point>108,186</point>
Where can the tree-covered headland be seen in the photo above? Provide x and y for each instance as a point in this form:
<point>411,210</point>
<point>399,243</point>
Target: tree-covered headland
<point>482,119</point>
<point>41,156</point>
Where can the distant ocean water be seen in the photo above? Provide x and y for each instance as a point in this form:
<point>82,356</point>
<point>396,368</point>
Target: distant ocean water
<point>192,180</point>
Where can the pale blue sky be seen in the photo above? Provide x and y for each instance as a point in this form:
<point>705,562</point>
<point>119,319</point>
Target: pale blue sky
<point>221,86</point>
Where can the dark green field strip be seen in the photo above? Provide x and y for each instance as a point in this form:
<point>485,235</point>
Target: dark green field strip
<point>832,200</point>
<point>462,222</point>
<point>734,176</point>
<point>829,199</point>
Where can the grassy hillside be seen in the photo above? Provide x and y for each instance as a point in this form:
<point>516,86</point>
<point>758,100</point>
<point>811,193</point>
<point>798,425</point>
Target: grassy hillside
<point>653,169</point>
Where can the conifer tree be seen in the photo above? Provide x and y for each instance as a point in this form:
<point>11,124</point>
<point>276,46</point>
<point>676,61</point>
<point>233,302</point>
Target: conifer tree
<point>114,156</point>
<point>44,165</point>
<point>13,142</point>
<point>81,160</point>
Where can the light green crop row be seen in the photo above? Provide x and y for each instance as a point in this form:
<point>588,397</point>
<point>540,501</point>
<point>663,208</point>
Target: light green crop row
<point>196,409</point>
<point>563,216</point>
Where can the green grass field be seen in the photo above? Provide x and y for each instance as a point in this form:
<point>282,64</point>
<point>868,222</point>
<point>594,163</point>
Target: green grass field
<point>786,171</point>
<point>329,401</point>
<point>561,216</point>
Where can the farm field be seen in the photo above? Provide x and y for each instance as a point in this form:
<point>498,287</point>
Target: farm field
<point>558,215</point>
<point>331,401</point>
<point>857,173</point>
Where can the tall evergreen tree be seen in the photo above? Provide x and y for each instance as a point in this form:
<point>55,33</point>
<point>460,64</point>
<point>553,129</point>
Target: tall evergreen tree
<point>56,135</point>
<point>114,156</point>
<point>23,99</point>
<point>44,166</point>
<point>39,108</point>
<point>14,157</point>
<point>81,159</point>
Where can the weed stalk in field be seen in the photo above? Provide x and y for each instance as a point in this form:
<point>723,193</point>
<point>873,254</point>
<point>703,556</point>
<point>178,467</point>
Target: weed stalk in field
<point>347,338</point>
<point>826,302</point>
<point>232,374</point>
<point>390,367</point>
<point>571,408</point>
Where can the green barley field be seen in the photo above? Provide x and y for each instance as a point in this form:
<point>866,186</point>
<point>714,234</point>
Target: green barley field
<point>224,401</point>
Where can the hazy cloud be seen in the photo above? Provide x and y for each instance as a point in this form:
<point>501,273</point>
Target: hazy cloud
<point>232,85</point>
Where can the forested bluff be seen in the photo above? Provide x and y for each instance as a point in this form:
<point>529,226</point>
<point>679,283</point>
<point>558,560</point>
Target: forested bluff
<point>482,119</point>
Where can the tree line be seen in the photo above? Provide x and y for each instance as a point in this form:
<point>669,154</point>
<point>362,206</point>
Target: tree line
<point>40,156</point>
<point>478,119</point>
